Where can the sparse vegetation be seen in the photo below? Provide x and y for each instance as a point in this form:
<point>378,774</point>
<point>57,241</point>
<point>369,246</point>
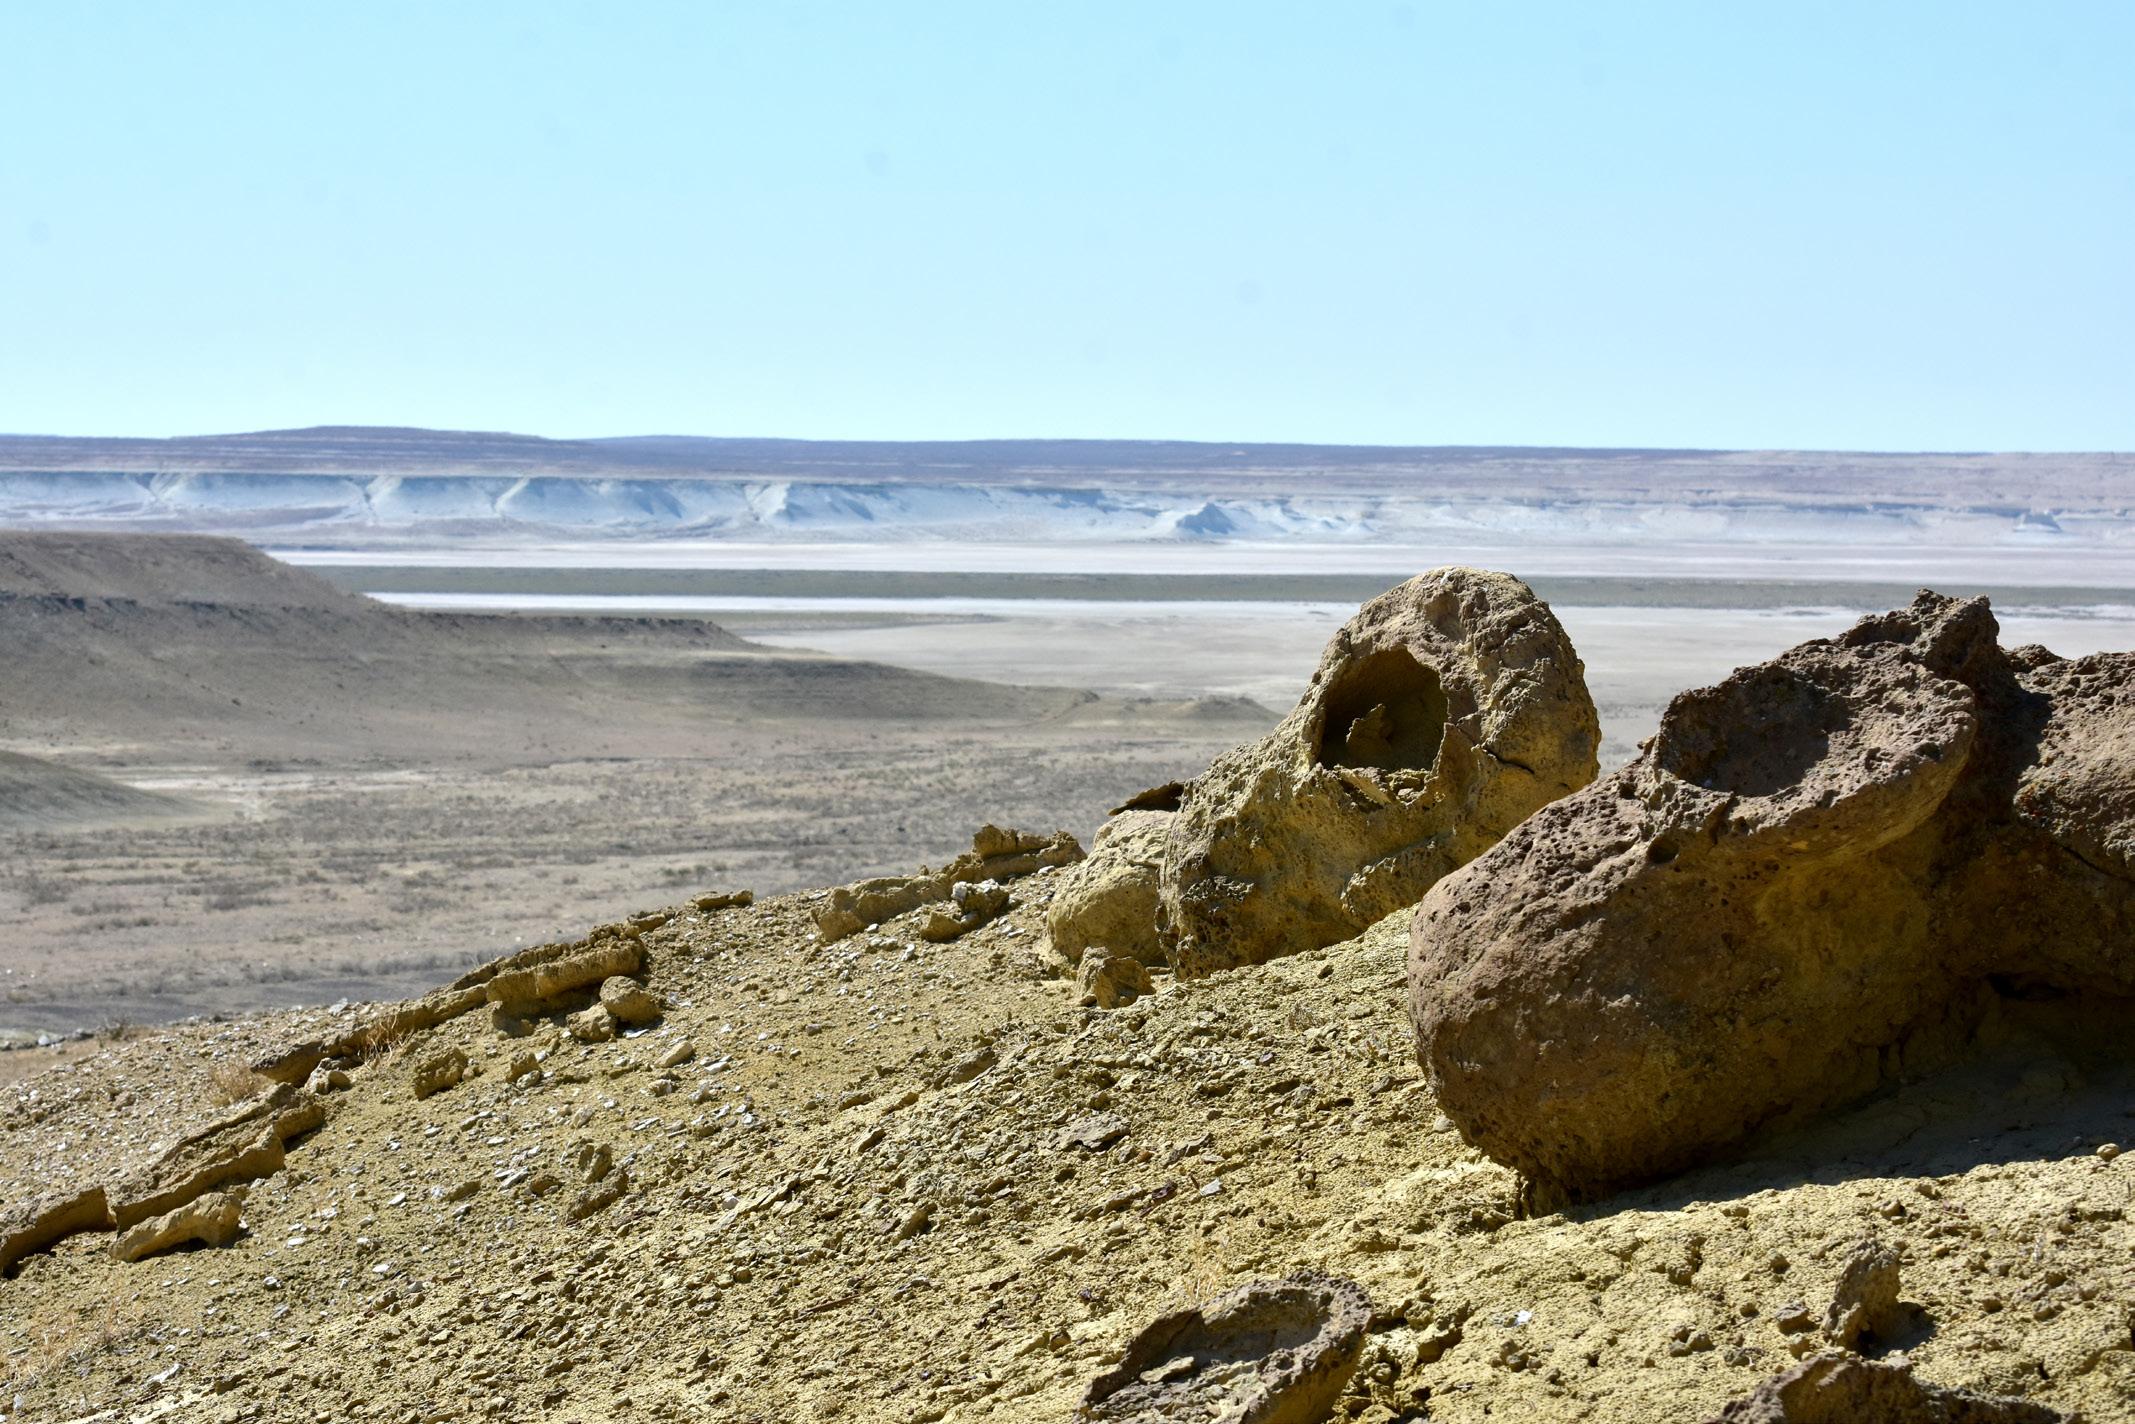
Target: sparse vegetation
<point>233,1083</point>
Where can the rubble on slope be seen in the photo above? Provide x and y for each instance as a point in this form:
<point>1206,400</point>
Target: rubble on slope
<point>882,1178</point>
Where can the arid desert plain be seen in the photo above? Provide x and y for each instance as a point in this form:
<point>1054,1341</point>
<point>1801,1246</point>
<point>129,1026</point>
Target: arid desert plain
<point>495,976</point>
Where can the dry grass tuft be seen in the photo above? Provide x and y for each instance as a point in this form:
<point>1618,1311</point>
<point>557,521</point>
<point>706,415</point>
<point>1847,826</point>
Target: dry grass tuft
<point>233,1083</point>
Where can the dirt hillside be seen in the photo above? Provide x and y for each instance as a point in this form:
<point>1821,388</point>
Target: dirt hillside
<point>892,1179</point>
<point>43,795</point>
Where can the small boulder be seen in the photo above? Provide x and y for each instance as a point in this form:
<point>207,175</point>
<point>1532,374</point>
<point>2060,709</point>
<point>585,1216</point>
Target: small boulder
<point>1111,897</point>
<point>1269,1352</point>
<point>1865,1301</point>
<point>1109,981</point>
<point>437,1072</point>
<point>630,1002</point>
<point>212,1219</point>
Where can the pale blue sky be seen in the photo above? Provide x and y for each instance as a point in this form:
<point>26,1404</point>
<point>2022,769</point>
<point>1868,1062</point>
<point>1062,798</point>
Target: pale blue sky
<point>1860,225</point>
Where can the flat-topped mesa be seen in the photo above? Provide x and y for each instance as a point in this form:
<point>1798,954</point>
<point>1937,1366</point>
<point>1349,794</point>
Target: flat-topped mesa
<point>1440,716</point>
<point>1815,867</point>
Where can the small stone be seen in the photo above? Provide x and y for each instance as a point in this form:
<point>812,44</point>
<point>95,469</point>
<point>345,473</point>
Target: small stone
<point>438,1072</point>
<point>594,1025</point>
<point>1866,1300</point>
<point>1110,981</point>
<point>629,1001</point>
<point>676,1056</point>
<point>1092,1134</point>
<point>2107,1151</point>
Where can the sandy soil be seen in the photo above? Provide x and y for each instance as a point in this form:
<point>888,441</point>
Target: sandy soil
<point>885,1179</point>
<point>332,882</point>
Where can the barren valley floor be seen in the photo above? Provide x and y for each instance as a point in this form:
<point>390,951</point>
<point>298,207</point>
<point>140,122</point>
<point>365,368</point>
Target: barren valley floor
<point>368,861</point>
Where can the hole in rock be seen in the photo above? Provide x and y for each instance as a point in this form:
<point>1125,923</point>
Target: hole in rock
<point>1385,711</point>
<point>1753,735</point>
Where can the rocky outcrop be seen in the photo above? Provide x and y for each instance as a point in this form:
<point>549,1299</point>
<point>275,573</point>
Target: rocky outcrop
<point>1110,899</point>
<point>211,1220</point>
<point>31,1226</point>
<point>520,989</point>
<point>1813,872</point>
<point>995,854</point>
<point>243,1145</point>
<point>1268,1352</point>
<point>1845,1389</point>
<point>375,1031</point>
<point>1440,716</point>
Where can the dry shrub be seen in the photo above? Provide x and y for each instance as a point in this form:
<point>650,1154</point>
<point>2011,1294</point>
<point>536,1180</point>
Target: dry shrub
<point>233,1083</point>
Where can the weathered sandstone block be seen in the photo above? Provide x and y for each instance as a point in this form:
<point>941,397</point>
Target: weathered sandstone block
<point>1111,897</point>
<point>1440,716</point>
<point>1268,1352</point>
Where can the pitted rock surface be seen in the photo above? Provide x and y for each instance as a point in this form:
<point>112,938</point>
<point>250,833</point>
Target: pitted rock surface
<point>1844,1389</point>
<point>1814,870</point>
<point>1267,1352</point>
<point>1440,716</point>
<point>1111,897</point>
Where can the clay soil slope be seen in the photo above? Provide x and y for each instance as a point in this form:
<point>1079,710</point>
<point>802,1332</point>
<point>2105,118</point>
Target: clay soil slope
<point>888,1179</point>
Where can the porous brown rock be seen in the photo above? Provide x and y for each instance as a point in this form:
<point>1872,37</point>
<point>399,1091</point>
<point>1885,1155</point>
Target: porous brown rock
<point>1111,897</point>
<point>1267,1352</point>
<point>1812,872</point>
<point>211,1220</point>
<point>1440,716</point>
<point>1844,1389</point>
